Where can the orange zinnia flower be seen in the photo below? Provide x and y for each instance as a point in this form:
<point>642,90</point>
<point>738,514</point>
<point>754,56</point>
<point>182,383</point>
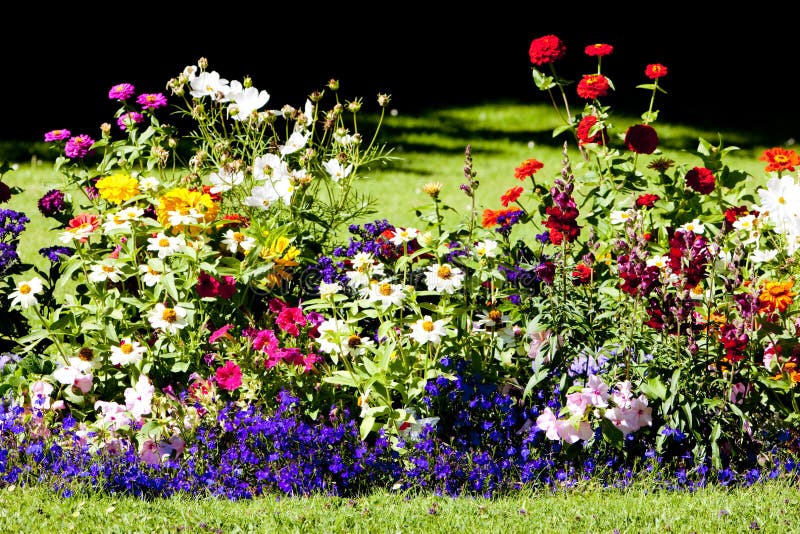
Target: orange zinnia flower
<point>527,168</point>
<point>490,216</point>
<point>776,296</point>
<point>780,159</point>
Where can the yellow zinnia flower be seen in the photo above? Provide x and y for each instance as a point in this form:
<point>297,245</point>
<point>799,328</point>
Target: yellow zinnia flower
<point>184,202</point>
<point>118,187</point>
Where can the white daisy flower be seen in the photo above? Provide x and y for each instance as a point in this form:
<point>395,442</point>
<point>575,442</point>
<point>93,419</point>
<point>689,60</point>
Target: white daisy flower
<point>779,203</point>
<point>426,330</point>
<point>235,241</point>
<point>127,352</point>
<point>165,245</point>
<point>106,271</point>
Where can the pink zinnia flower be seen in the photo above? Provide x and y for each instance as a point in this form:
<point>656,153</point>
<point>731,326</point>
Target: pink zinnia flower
<point>121,91</point>
<point>56,135</point>
<point>78,146</point>
<point>229,376</point>
<point>152,100</point>
<point>126,120</point>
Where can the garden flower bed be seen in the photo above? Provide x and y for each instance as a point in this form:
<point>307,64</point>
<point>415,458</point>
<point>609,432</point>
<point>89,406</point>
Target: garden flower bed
<point>213,321</point>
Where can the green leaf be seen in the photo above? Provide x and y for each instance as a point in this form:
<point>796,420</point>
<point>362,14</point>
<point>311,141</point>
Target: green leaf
<point>542,81</point>
<point>654,388</point>
<point>343,378</point>
<point>366,426</point>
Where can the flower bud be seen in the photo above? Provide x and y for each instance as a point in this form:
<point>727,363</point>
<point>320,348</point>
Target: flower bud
<point>384,99</point>
<point>333,84</point>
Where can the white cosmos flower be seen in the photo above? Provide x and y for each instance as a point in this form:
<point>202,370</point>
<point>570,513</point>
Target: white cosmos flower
<point>622,216</point>
<point>169,320</point>
<point>25,293</point>
<point>150,276</point>
<point>208,83</point>
<point>166,245</point>
<point>269,165</point>
<point>235,241</point>
<point>779,203</point>
<point>246,102</point>
<point>444,278</point>
<point>337,170</point>
<point>262,197</point>
<point>763,256</point>
<point>127,352</point>
<point>105,271</point>
<point>224,180</point>
<point>149,183</point>
<point>426,330</point>
<point>295,142</point>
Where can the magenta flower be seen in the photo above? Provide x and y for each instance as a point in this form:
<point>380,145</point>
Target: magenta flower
<point>130,119</point>
<point>56,135</point>
<point>229,376</point>
<point>289,319</point>
<point>52,203</point>
<point>121,92</point>
<point>152,100</point>
<point>78,146</point>
<point>222,332</point>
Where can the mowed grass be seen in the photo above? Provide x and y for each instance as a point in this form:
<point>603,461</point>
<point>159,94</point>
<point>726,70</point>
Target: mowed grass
<point>429,147</point>
<point>766,507</point>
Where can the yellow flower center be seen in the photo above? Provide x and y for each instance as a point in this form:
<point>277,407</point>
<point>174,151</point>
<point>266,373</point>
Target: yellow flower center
<point>780,158</point>
<point>495,315</point>
<point>152,271</point>
<point>169,315</point>
<point>444,272</point>
<point>24,289</point>
<point>427,326</point>
<point>126,348</point>
<point>386,289</point>
<point>163,242</point>
<point>353,341</point>
<point>238,237</point>
<point>781,200</point>
<point>108,268</point>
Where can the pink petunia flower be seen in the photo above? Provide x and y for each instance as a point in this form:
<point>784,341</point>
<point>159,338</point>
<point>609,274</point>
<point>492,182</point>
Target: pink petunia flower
<point>229,376</point>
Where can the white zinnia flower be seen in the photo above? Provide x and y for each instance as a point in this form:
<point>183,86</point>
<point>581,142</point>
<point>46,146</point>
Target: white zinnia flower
<point>426,330</point>
<point>169,320</point>
<point>444,278</point>
<point>149,183</point>
<point>404,235</point>
<point>117,221</point>
<point>486,249</point>
<point>150,276</point>
<point>25,293</point>
<point>127,352</point>
<point>165,245</point>
<point>106,271</point>
<point>385,293</point>
<point>694,226</point>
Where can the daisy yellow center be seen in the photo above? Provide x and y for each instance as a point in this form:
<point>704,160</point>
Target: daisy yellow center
<point>495,315</point>
<point>169,315</point>
<point>386,289</point>
<point>152,271</point>
<point>163,242</point>
<point>238,237</point>
<point>108,268</point>
<point>126,348</point>
<point>781,200</point>
<point>353,341</point>
<point>361,268</point>
<point>427,326</point>
<point>119,219</point>
<point>444,272</point>
<point>24,289</point>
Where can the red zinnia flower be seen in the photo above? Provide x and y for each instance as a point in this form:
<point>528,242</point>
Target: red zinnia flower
<point>593,86</point>
<point>780,159</point>
<point>598,49</point>
<point>547,49</point>
<point>511,195</point>
<point>585,126</point>
<point>582,274</point>
<point>527,168</point>
<point>646,200</point>
<point>655,71</point>
<point>641,138</point>
<point>701,180</point>
<point>229,376</point>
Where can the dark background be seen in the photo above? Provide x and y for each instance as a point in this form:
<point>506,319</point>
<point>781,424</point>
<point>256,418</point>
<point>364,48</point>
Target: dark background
<point>726,69</point>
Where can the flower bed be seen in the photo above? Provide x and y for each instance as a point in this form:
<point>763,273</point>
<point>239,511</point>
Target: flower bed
<point>204,327</point>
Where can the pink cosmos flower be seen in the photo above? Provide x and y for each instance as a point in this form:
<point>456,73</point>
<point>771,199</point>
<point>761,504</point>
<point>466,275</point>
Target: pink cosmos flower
<point>79,146</point>
<point>121,92</point>
<point>229,376</point>
<point>56,135</point>
<point>152,100</point>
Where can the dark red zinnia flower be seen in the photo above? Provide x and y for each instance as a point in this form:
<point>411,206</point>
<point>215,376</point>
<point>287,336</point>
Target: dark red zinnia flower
<point>701,180</point>
<point>598,49</point>
<point>647,200</point>
<point>5,193</point>
<point>655,71</point>
<point>582,274</point>
<point>546,49</point>
<point>641,138</point>
<point>593,86</point>
<point>52,203</point>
